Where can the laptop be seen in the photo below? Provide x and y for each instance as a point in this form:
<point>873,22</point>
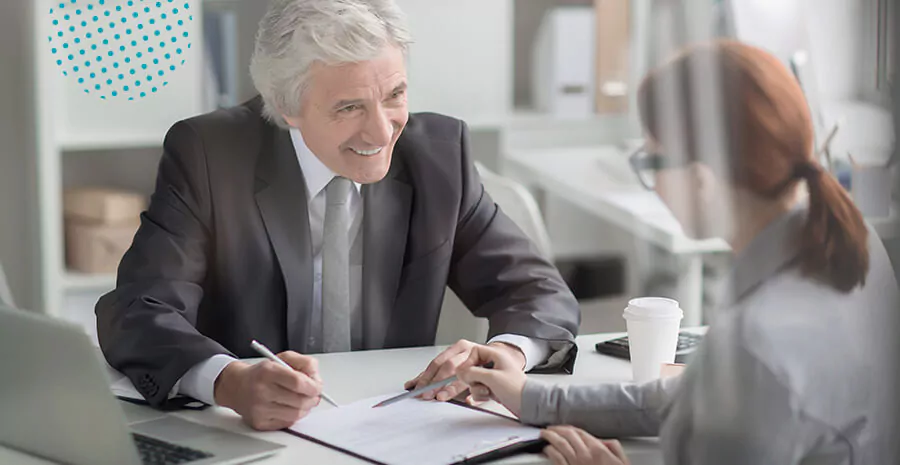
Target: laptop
<point>55,403</point>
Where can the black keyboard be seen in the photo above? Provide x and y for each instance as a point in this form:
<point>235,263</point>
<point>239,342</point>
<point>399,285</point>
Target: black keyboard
<point>687,343</point>
<point>156,452</point>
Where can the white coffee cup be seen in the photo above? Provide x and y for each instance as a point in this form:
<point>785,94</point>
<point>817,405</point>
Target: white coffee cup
<point>653,324</point>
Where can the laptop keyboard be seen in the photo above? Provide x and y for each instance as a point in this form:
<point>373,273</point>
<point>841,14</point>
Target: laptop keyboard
<point>156,452</point>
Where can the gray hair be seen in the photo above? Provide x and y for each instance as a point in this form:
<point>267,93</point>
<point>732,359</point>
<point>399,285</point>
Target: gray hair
<point>295,33</point>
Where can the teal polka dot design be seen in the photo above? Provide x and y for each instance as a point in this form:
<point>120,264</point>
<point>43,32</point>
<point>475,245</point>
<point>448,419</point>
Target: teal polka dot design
<point>145,40</point>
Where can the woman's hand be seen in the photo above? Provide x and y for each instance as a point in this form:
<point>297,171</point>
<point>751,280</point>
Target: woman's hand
<point>573,446</point>
<point>447,362</point>
<point>503,383</point>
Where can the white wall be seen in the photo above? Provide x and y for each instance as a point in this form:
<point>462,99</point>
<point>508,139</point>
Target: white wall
<point>18,252</point>
<point>840,36</point>
<point>844,46</point>
<point>460,62</point>
<point>844,37</point>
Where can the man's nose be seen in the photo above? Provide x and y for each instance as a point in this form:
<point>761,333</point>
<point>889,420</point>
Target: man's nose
<point>379,129</point>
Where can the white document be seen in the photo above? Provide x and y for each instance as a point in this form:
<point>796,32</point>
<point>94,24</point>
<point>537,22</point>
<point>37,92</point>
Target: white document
<point>122,387</point>
<point>413,432</point>
<point>119,384</point>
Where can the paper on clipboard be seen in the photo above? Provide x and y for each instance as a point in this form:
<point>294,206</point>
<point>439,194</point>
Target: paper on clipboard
<point>413,432</point>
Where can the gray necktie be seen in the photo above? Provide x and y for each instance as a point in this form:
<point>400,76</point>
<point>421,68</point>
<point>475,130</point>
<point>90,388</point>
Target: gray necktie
<point>336,267</point>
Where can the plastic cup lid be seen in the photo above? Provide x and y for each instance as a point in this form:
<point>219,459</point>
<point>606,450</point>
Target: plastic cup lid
<point>653,307</point>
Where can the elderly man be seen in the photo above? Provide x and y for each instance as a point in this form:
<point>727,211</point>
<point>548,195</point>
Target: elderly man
<point>320,217</point>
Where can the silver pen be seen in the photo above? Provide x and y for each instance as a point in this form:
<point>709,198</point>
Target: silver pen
<point>265,352</point>
<point>424,389</point>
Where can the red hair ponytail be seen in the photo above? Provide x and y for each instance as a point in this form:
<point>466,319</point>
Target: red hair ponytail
<point>834,243</point>
<point>769,136</point>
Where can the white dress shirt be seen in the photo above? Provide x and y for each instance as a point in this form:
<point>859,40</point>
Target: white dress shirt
<point>199,381</point>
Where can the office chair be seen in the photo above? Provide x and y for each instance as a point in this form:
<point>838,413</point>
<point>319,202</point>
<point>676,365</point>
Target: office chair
<point>518,203</point>
<point>6,298</point>
<point>456,321</point>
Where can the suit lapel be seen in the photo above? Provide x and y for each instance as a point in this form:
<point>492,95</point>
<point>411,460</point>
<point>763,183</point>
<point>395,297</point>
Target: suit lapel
<point>282,201</point>
<point>387,206</point>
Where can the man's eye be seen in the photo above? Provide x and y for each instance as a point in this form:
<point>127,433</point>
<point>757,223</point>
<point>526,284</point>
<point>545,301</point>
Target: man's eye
<point>349,108</point>
<point>397,94</point>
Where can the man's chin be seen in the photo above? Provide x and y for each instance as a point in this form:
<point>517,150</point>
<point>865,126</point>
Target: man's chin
<point>371,169</point>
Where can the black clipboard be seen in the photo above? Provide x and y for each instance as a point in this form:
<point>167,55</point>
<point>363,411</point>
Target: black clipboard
<point>170,405</point>
<point>533,446</point>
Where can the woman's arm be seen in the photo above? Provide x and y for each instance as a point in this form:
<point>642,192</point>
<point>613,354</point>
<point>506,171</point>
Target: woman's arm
<point>601,409</point>
<point>606,410</point>
<point>734,408</point>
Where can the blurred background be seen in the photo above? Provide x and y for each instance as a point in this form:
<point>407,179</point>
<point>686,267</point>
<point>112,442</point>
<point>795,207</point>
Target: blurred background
<point>546,86</point>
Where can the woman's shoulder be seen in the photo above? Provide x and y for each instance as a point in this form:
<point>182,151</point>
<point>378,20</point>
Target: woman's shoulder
<point>795,303</point>
<point>770,320</point>
<point>804,331</point>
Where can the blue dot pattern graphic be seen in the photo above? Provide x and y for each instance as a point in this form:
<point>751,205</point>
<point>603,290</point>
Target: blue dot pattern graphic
<point>80,31</point>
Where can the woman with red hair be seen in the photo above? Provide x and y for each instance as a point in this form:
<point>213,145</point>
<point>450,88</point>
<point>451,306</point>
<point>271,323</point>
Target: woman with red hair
<point>796,366</point>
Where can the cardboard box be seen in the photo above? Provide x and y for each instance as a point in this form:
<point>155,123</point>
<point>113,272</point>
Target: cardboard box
<point>612,56</point>
<point>97,248</point>
<point>95,205</point>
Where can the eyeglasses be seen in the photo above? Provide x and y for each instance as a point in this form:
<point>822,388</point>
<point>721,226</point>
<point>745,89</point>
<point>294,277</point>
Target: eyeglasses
<point>646,164</point>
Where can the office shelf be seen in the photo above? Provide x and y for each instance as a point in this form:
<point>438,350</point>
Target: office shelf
<point>76,281</point>
<point>69,121</point>
<point>110,141</point>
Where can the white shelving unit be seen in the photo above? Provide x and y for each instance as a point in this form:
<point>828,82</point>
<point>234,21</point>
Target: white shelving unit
<point>70,122</point>
<point>109,141</point>
<point>75,281</point>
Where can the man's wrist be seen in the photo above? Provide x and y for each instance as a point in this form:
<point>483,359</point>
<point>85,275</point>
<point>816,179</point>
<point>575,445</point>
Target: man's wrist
<point>512,349</point>
<point>226,381</point>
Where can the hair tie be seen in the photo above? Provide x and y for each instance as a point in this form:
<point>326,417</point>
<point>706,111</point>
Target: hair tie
<point>806,170</point>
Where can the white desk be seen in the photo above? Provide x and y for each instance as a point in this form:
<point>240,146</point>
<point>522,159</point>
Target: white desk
<point>599,180</point>
<point>358,375</point>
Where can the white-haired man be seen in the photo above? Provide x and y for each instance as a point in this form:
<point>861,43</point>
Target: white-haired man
<point>320,217</point>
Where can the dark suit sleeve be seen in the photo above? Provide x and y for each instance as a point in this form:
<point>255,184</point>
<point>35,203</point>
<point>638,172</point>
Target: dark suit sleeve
<point>499,274</point>
<point>146,326</point>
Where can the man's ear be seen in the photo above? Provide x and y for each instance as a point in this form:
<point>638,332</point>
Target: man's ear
<point>291,121</point>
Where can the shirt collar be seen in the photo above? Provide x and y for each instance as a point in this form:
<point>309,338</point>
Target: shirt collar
<point>315,173</point>
<point>773,249</point>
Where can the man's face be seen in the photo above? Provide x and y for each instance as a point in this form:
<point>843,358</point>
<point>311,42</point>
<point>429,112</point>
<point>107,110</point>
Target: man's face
<point>352,114</point>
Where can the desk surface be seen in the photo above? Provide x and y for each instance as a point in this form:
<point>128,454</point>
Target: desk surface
<point>358,375</point>
<point>600,180</point>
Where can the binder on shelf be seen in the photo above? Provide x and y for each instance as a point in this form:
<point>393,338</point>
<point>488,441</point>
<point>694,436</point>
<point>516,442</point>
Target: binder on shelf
<point>563,64</point>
